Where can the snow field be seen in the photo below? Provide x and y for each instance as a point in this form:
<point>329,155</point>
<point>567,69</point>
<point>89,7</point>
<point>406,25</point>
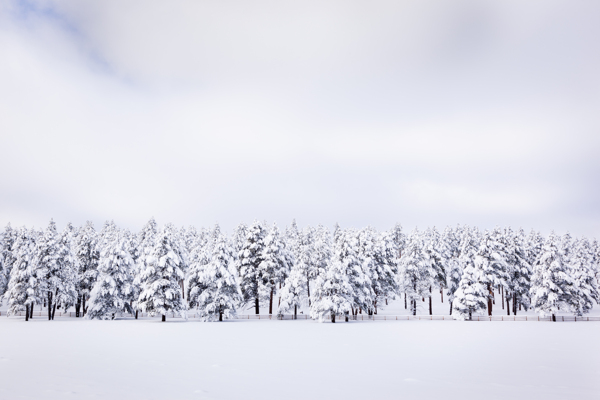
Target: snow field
<point>125,359</point>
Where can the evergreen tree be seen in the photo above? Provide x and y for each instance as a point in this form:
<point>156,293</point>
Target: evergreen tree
<point>221,293</point>
<point>146,240</point>
<point>472,295</point>
<point>7,258</point>
<point>200,256</point>
<point>346,252</point>
<point>585,287</point>
<point>112,292</point>
<point>275,265</point>
<point>551,286</point>
<point>384,274</point>
<point>451,238</point>
<point>438,252</point>
<point>415,267</point>
<point>161,292</point>
<point>88,255</point>
<point>333,292</point>
<point>519,271</point>
<point>23,288</point>
<point>248,265</point>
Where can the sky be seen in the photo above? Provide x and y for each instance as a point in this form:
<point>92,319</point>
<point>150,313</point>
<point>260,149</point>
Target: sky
<point>432,113</point>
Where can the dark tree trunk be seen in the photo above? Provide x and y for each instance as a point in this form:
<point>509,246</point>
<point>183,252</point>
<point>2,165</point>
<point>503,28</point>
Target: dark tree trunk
<point>31,311</point>
<point>491,292</point>
<point>279,303</point>
<point>405,300</point>
<point>450,308</point>
<point>333,317</point>
<point>77,306</point>
<point>295,311</point>
<point>430,306</point>
<point>26,312</point>
<point>553,318</point>
<point>182,284</point>
<point>308,288</point>
<point>256,306</point>
<point>515,304</point>
<point>519,306</point>
<point>84,309</point>
<point>164,318</point>
<point>49,306</point>
<point>470,316</point>
<point>53,310</point>
<point>414,306</point>
<point>507,304</point>
<point>375,303</point>
<point>346,316</point>
<point>220,316</point>
<point>442,294</point>
<point>503,297</point>
<point>271,301</point>
<point>136,314</point>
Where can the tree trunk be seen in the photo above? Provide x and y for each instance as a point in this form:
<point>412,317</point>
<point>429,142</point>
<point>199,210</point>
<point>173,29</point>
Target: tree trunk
<point>450,308</point>
<point>271,300</point>
<point>49,306</point>
<point>442,294</point>
<point>26,312</point>
<point>519,306</point>
<point>295,311</point>
<point>515,304</point>
<point>136,314</point>
<point>507,304</point>
<point>470,316</point>
<point>346,316</point>
<point>405,300</point>
<point>491,292</point>
<point>256,306</point>
<point>220,316</point>
<point>31,311</point>
<point>84,309</point>
<point>430,306</point>
<point>77,306</point>
<point>164,318</point>
<point>182,284</point>
<point>503,298</point>
<point>53,310</point>
<point>333,317</point>
<point>553,318</point>
<point>308,288</point>
<point>278,304</point>
<point>414,306</point>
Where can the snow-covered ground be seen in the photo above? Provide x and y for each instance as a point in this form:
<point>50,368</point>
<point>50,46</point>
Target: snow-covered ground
<point>146,359</point>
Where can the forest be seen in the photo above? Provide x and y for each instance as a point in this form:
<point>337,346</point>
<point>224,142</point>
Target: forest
<point>336,274</point>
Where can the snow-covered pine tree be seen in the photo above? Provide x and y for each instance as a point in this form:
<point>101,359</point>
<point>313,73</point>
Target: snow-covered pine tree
<point>46,264</point>
<point>415,265</point>
<point>399,239</point>
<point>200,256</point>
<point>384,274</point>
<point>451,239</point>
<point>68,265</point>
<point>275,265</point>
<point>221,293</point>
<point>112,292</point>
<point>161,292</point>
<point>146,239</point>
<point>471,296</point>
<point>585,287</point>
<point>438,252</point>
<point>23,287</point>
<point>333,294</point>
<point>490,259</point>
<point>518,269</point>
<point>88,254</point>
<point>249,259</point>
<point>551,285</point>
<point>7,258</point>
<point>346,251</point>
<point>239,239</point>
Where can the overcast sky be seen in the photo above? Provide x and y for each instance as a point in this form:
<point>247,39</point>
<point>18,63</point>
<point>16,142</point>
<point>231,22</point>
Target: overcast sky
<point>363,113</point>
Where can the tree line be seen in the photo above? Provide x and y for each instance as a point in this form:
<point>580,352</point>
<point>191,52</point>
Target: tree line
<point>335,274</point>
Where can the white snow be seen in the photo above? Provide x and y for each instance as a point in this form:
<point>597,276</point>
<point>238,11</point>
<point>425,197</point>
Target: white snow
<point>146,359</point>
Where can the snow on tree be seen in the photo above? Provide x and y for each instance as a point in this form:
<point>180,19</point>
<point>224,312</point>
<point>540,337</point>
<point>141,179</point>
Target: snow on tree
<point>415,267</point>
<point>47,265</point>
<point>145,244</point>
<point>438,252</point>
<point>113,290</point>
<point>518,270</point>
<point>472,295</point>
<point>490,259</point>
<point>451,238</point>
<point>585,287</point>
<point>68,264</point>
<point>161,292</point>
<point>275,265</point>
<point>221,292</point>
<point>239,239</point>
<point>384,271</point>
<point>23,287</point>
<point>346,252</point>
<point>88,254</point>
<point>200,256</point>
<point>399,239</point>
<point>551,285</point>
<point>333,294</point>
<point>248,265</point>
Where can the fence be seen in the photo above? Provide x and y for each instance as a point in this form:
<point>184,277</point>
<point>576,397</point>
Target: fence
<point>359,317</point>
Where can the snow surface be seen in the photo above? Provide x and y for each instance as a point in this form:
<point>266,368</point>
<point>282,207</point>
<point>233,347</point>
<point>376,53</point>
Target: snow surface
<point>146,359</point>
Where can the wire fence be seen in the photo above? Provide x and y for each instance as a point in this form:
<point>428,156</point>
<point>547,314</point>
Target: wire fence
<point>340,318</point>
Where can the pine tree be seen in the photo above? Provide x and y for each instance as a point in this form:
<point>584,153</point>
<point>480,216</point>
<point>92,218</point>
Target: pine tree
<point>161,292</point>
<point>519,271</point>
<point>490,259</point>
<point>248,265</point>
<point>384,274</point>
<point>88,255</point>
<point>437,251</point>
<point>23,288</point>
<point>68,265</point>
<point>275,265</point>
<point>346,252</point>
<point>451,239</point>
<point>221,293</point>
<point>146,241</point>
<point>112,292</point>
<point>200,256</point>
<point>472,295</point>
<point>333,293</point>
<point>585,287</point>
<point>551,286</point>
<point>46,265</point>
<point>415,267</point>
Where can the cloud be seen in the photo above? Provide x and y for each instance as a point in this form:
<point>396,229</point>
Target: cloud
<point>424,113</point>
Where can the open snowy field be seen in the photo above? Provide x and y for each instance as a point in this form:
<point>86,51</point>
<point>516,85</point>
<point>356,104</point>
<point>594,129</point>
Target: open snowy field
<point>146,359</point>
